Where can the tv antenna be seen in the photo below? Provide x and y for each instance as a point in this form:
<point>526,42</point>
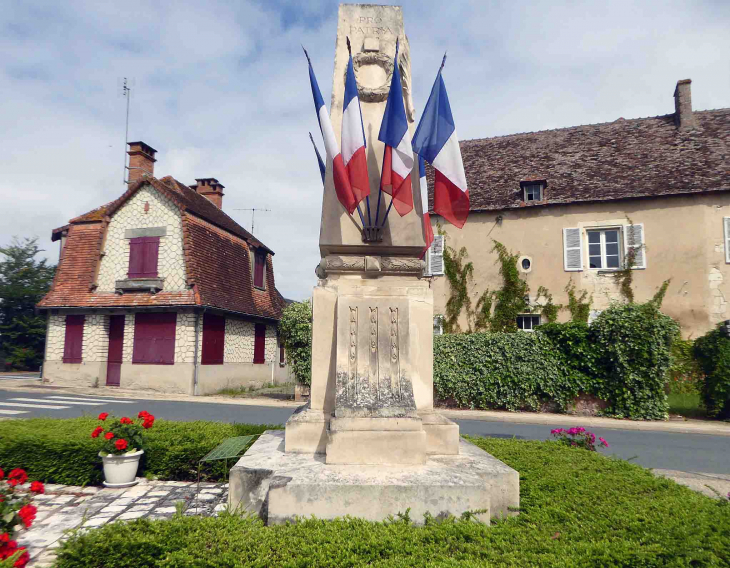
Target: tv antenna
<point>253,214</point>
<point>125,90</point>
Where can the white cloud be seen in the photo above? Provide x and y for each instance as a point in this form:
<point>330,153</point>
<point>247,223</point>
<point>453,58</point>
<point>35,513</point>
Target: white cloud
<point>222,91</point>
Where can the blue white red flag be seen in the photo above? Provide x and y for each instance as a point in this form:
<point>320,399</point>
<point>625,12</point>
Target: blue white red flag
<point>427,229</point>
<point>436,141</point>
<point>353,139</point>
<point>339,172</point>
<point>398,156</point>
<point>322,168</point>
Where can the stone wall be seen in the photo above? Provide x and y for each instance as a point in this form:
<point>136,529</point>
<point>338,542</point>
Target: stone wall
<point>185,338</point>
<point>146,209</point>
<point>239,342</point>
<point>96,338</point>
<point>56,337</point>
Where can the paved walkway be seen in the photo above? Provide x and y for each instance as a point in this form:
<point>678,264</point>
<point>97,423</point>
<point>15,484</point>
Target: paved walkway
<point>65,507</point>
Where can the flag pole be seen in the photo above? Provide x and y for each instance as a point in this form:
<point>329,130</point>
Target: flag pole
<point>367,197</point>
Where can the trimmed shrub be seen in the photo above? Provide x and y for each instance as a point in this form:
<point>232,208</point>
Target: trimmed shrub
<point>577,352</point>
<point>62,450</point>
<point>295,327</point>
<point>501,370</point>
<point>712,352</point>
<point>577,508</point>
<point>634,343</point>
<point>685,375</point>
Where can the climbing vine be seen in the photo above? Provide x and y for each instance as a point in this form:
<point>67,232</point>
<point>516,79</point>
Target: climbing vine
<point>458,273</point>
<point>549,310</point>
<point>625,276</point>
<point>509,300</point>
<point>579,308</point>
<point>658,298</point>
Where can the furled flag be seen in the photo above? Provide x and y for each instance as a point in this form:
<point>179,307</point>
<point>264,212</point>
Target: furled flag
<point>436,141</point>
<point>322,168</point>
<point>427,228</point>
<point>398,156</point>
<point>353,137</point>
<point>339,172</point>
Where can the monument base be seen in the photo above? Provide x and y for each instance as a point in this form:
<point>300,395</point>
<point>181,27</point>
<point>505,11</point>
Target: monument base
<point>280,486</point>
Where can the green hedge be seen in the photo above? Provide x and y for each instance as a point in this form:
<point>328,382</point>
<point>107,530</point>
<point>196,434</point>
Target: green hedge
<point>622,357</point>
<point>500,370</point>
<point>712,352</point>
<point>62,450</point>
<point>578,508</point>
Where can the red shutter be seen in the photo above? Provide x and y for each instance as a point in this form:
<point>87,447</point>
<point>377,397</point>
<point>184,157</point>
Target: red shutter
<point>74,340</point>
<point>154,338</point>
<point>143,254</point>
<point>258,274</point>
<point>214,334</point>
<point>259,345</point>
<point>281,355</point>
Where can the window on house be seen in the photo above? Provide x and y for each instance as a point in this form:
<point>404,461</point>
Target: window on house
<point>154,338</point>
<point>74,340</point>
<point>259,269</point>
<point>143,252</point>
<point>214,334</point>
<point>533,192</point>
<point>259,345</point>
<point>604,248</point>
<point>528,322</point>
<point>435,257</point>
<point>282,355</point>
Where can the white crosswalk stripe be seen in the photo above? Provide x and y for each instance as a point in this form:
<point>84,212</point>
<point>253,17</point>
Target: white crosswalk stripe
<point>45,401</point>
<point>23,405</point>
<point>2,411</point>
<point>69,398</point>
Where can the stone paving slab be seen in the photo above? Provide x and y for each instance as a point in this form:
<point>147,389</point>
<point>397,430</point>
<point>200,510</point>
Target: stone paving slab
<point>711,484</point>
<point>65,507</point>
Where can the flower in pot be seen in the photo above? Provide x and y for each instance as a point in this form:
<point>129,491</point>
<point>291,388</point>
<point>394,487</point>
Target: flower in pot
<point>123,446</point>
<point>16,510</point>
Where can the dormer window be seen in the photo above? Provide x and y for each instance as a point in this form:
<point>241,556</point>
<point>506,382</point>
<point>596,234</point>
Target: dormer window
<point>533,191</point>
<point>259,269</point>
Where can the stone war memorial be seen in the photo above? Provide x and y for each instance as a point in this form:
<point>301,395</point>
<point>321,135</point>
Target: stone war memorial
<point>369,443</point>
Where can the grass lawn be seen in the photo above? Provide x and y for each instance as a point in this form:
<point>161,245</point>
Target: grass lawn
<point>687,405</point>
<point>578,508</point>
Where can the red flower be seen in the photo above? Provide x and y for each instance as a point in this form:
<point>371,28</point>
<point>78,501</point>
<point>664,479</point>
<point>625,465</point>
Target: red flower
<point>7,550</point>
<point>17,477</point>
<point>2,473</point>
<point>27,514</point>
<point>103,415</point>
<point>121,444</point>
<point>22,559</point>
<point>37,487</point>
<point>149,420</point>
<point>125,420</point>
<point>5,537</point>
<point>143,414</point>
<point>98,430</point>
<point>109,435</point>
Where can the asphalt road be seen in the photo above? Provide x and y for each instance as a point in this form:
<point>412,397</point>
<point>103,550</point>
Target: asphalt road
<point>662,450</point>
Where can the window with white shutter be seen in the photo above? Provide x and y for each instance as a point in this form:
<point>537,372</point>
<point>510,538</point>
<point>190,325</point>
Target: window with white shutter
<point>634,240</point>
<point>435,263</point>
<point>572,250</point>
<point>726,226</point>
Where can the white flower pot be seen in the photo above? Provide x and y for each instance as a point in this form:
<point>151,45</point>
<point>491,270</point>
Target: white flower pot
<point>121,471</point>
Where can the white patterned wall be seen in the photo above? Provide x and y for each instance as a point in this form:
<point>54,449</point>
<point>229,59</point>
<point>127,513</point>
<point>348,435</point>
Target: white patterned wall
<point>128,343</point>
<point>56,338</point>
<point>185,338</point>
<point>96,338</point>
<point>239,342</point>
<point>162,213</point>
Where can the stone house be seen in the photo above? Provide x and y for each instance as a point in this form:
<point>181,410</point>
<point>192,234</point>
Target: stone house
<point>581,203</point>
<point>160,289</point>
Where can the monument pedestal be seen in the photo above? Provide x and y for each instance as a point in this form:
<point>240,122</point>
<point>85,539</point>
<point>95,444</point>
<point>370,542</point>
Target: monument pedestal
<point>280,486</point>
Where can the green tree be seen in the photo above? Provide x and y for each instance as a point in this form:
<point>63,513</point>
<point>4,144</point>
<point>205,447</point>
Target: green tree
<point>24,280</point>
<point>295,327</point>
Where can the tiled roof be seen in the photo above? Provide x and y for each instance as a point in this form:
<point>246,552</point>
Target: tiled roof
<point>644,157</point>
<point>216,253</point>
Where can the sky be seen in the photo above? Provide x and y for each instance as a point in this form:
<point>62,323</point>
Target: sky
<point>221,90</point>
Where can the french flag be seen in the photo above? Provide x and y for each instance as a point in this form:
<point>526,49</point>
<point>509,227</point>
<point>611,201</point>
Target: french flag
<point>339,171</point>
<point>427,228</point>
<point>436,141</point>
<point>398,157</point>
<point>353,138</point>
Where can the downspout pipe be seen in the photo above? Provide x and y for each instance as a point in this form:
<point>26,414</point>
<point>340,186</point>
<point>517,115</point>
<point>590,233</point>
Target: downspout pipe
<point>196,363</point>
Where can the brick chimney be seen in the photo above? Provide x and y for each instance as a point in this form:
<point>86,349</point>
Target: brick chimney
<point>141,161</point>
<point>683,117</point>
<point>211,189</point>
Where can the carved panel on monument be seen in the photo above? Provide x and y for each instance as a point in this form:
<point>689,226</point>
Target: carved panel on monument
<point>373,371</point>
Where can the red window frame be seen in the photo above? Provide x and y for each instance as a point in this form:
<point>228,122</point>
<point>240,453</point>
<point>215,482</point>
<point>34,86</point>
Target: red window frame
<point>214,335</point>
<point>259,265</point>
<point>259,344</point>
<point>154,338</point>
<point>143,255</point>
<point>73,344</point>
